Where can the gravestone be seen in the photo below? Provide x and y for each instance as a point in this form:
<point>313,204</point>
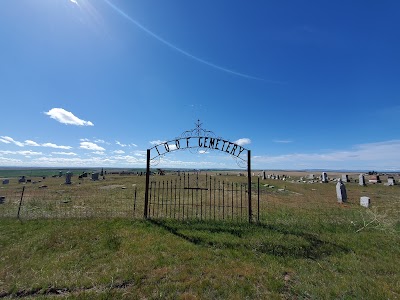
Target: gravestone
<point>324,177</point>
<point>391,181</point>
<point>6,181</point>
<point>365,201</point>
<point>2,199</point>
<point>374,179</point>
<point>102,172</point>
<point>22,179</point>
<point>95,176</point>
<point>264,175</point>
<point>341,192</point>
<point>361,180</point>
<point>68,176</point>
<point>60,174</point>
<point>345,178</point>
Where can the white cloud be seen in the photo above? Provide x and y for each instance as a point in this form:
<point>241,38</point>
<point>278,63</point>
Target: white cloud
<point>4,141</point>
<point>99,152</point>
<point>74,2</point>
<point>66,117</point>
<point>377,156</point>
<point>119,143</point>
<point>84,140</point>
<point>91,146</point>
<point>133,145</point>
<point>156,142</point>
<point>65,153</point>
<point>100,141</point>
<point>243,141</point>
<point>8,140</point>
<point>140,153</point>
<point>31,143</point>
<point>24,153</point>
<point>51,145</point>
<point>203,152</point>
<point>119,151</point>
<point>5,161</point>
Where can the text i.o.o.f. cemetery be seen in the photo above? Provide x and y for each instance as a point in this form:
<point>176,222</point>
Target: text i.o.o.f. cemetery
<point>200,142</point>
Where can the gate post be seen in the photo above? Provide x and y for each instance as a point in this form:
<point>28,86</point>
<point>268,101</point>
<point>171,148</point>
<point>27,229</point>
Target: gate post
<point>249,183</point>
<point>146,193</point>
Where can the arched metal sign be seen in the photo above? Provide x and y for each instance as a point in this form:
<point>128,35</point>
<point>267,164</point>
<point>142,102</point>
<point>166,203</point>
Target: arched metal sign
<point>196,140</point>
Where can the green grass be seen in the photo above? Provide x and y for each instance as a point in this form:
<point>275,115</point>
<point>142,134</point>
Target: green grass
<point>305,247</point>
<point>196,260</point>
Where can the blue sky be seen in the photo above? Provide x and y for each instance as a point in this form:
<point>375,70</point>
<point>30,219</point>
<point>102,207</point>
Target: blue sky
<point>302,84</point>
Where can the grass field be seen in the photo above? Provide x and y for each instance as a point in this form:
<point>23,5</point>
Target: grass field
<point>306,246</point>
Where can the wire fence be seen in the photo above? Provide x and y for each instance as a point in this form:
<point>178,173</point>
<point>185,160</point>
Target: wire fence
<point>29,203</point>
<point>272,200</point>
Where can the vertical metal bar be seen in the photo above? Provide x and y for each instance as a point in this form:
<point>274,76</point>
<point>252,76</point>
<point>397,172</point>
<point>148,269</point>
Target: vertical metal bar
<point>223,200</point>
<point>175,198</point>
<point>258,199</point>
<point>241,201</point>
<point>146,194</point>
<point>158,197</point>
<point>249,183</point>
<point>215,204</point>
<point>179,201</point>
<point>153,187</point>
<point>170,201</point>
<point>134,203</point>
<point>201,204</point>
<point>232,200</point>
<point>162,199</point>
<point>210,200</point>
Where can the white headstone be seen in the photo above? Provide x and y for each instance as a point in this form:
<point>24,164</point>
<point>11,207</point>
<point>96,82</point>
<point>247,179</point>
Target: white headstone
<point>365,201</point>
<point>345,178</point>
<point>361,180</point>
<point>324,177</point>
<point>391,181</point>
<point>341,192</point>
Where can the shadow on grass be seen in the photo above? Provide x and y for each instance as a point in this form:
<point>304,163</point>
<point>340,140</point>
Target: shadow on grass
<point>259,238</point>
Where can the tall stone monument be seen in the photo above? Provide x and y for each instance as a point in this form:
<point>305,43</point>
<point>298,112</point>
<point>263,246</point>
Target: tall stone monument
<point>361,180</point>
<point>341,192</point>
<point>68,176</point>
<point>324,177</point>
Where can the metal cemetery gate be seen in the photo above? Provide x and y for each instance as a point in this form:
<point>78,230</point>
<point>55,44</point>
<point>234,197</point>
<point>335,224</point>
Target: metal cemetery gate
<point>197,196</point>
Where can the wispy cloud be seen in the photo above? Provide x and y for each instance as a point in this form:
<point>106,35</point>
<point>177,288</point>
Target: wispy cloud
<point>31,143</point>
<point>119,151</point>
<point>24,153</point>
<point>179,50</point>
<point>65,117</point>
<point>8,140</point>
<point>379,156</point>
<point>65,153</point>
<point>74,2</point>
<point>99,153</point>
<point>91,146</point>
<point>120,144</point>
<point>243,141</point>
<point>156,142</point>
<point>51,145</point>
